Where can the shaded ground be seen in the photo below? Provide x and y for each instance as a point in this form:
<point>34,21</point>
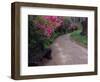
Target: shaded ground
<point>67,52</point>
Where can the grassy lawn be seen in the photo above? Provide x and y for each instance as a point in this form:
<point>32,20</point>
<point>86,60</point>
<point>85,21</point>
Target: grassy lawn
<point>79,38</point>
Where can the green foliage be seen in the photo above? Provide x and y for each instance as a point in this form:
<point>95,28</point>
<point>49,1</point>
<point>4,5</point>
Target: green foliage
<point>79,38</point>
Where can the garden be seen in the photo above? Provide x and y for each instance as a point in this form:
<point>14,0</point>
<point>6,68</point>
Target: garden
<point>43,30</point>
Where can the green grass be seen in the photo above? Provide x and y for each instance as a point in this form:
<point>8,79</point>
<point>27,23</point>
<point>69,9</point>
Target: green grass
<point>79,38</point>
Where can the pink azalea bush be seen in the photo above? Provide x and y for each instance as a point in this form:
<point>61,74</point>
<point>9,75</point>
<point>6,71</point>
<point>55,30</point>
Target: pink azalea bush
<point>48,24</point>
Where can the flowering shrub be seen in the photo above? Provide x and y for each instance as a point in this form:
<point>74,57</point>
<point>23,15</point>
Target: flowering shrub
<point>48,24</point>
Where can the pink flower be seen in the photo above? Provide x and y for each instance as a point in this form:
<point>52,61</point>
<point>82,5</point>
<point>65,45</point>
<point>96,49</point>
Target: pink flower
<point>41,26</point>
<point>50,18</point>
<point>53,18</point>
<point>48,31</point>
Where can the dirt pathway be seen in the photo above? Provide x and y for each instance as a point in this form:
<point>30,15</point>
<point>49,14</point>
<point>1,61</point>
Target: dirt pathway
<point>67,52</point>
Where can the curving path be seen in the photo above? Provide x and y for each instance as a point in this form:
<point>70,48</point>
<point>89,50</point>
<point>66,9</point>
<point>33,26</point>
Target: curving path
<point>67,52</point>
